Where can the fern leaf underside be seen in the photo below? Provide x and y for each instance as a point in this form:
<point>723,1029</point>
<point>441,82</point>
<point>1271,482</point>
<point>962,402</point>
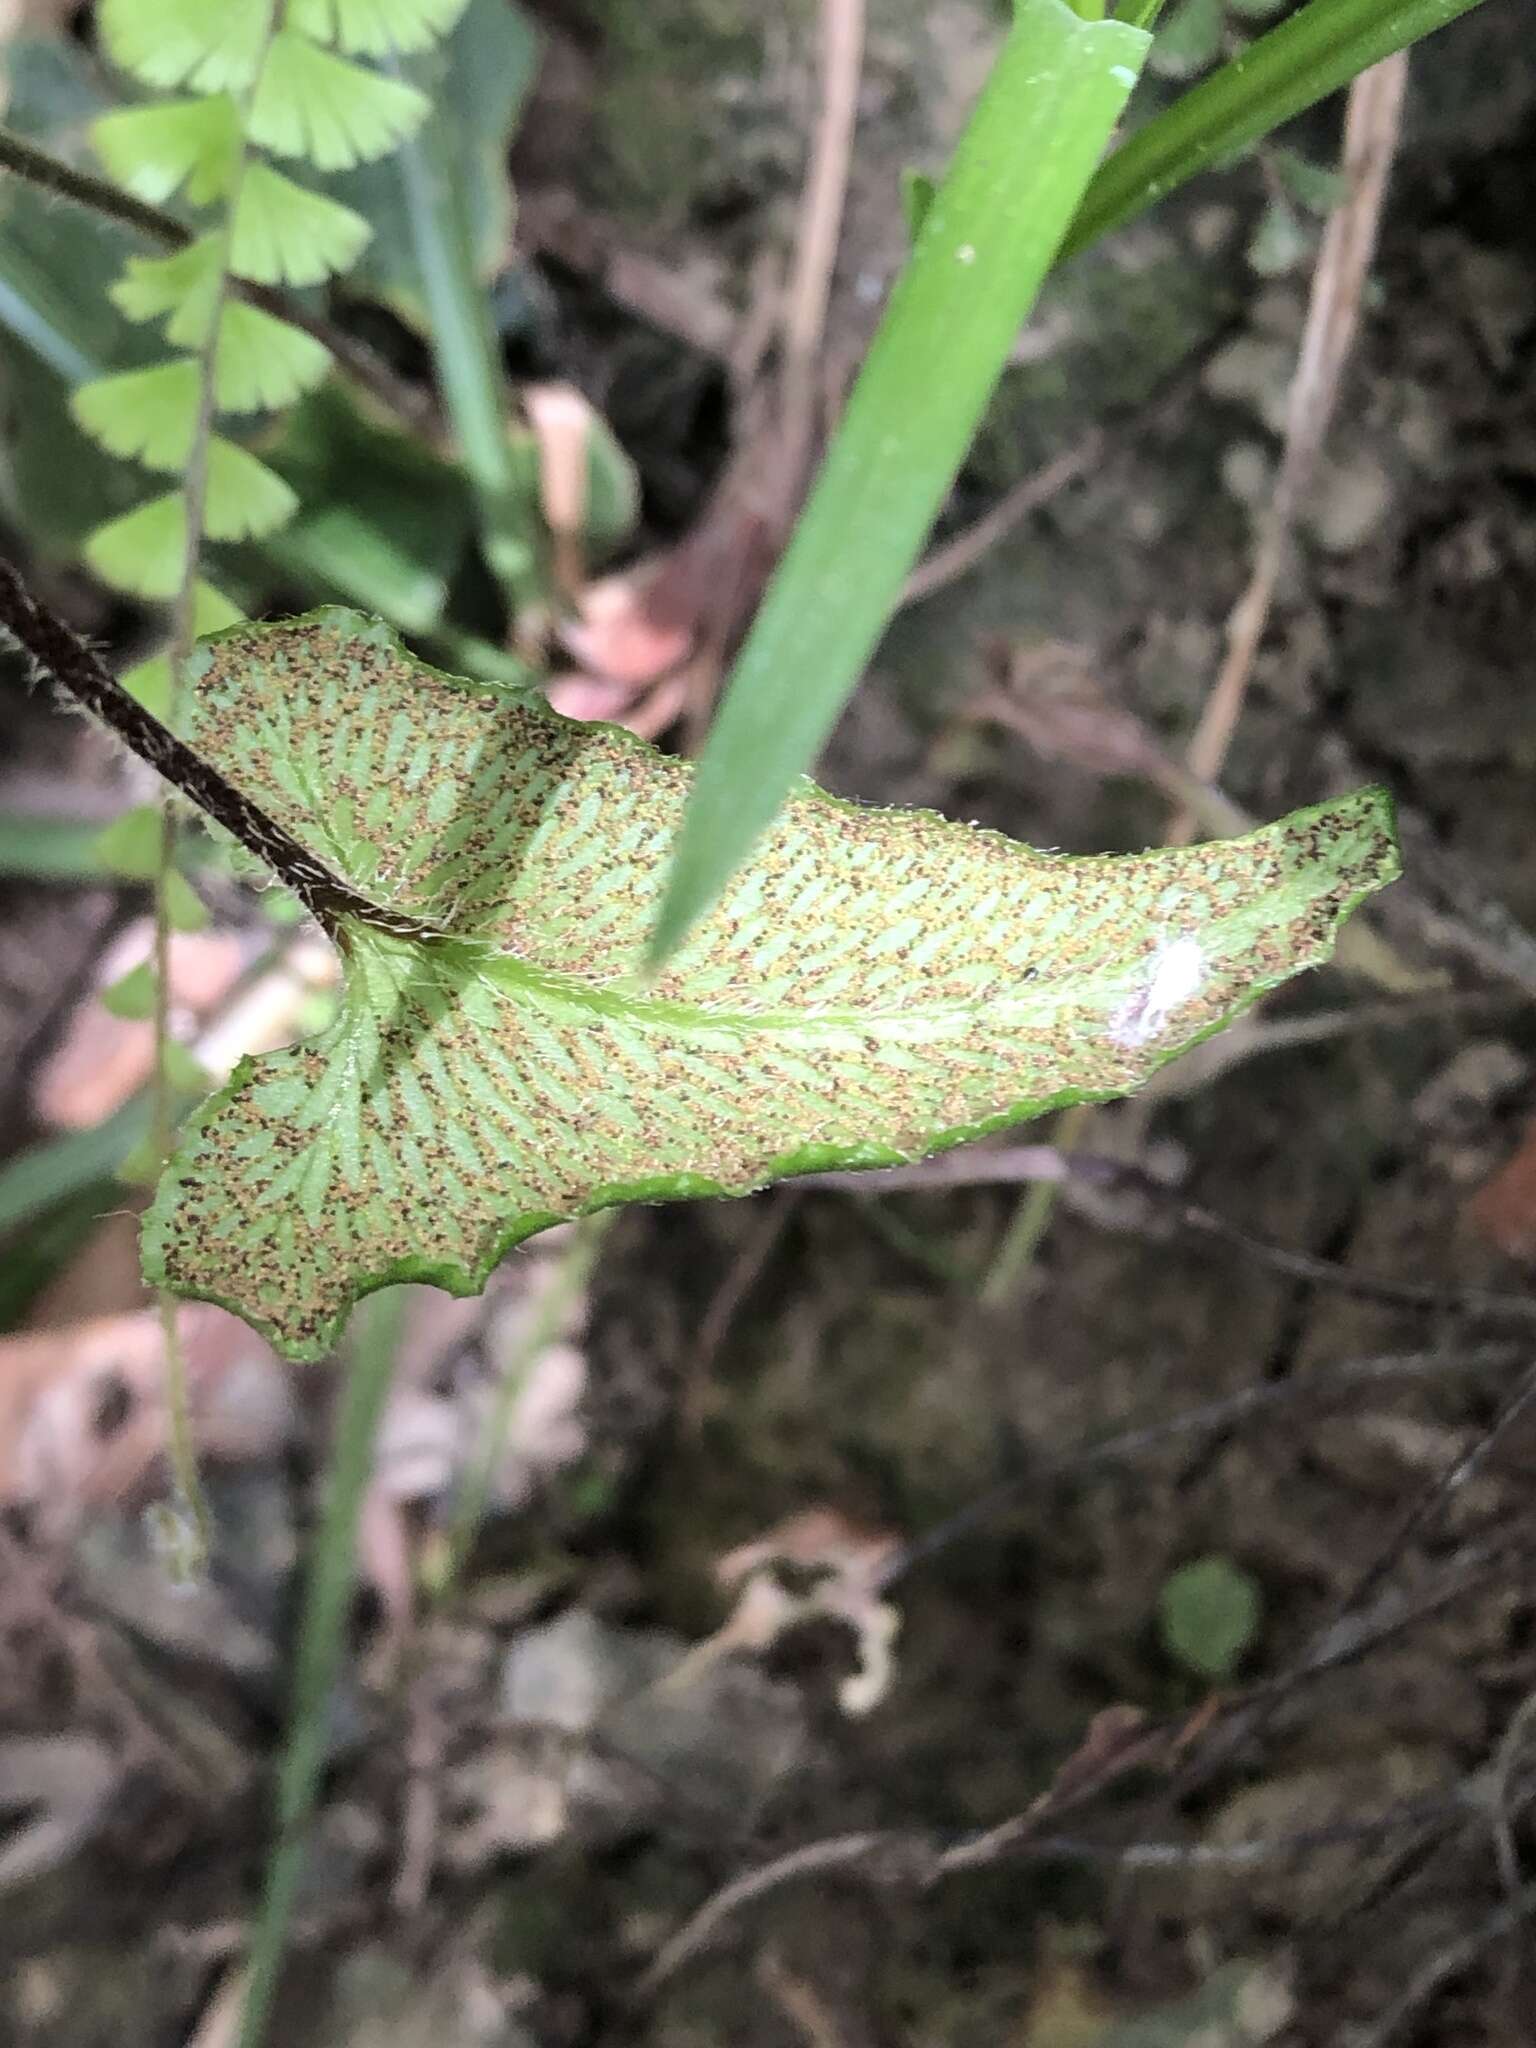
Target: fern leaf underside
<point>875,985</point>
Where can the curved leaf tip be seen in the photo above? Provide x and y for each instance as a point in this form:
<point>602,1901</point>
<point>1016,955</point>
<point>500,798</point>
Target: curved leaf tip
<point>874,985</point>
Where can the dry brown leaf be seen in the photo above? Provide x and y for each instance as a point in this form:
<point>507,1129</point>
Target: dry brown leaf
<point>1504,1208</point>
<point>82,1409</point>
<point>849,1556</point>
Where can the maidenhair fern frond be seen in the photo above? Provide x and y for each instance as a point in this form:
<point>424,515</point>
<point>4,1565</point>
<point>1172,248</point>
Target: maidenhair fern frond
<point>251,76</point>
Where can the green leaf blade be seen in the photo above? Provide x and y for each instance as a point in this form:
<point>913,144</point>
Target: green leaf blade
<point>153,151</point>
<point>1311,54</point>
<point>987,239</point>
<point>146,416</point>
<point>873,986</point>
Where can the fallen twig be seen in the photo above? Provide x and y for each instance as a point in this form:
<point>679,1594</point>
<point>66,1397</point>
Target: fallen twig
<point>1321,1387</point>
<point>1164,1209</point>
<point>1371,128</point>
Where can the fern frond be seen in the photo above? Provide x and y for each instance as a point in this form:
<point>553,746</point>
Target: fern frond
<point>184,284</point>
<point>261,363</point>
<point>211,45</point>
<point>284,234</point>
<point>144,552</point>
<point>267,75</point>
<point>374,28</point>
<point>147,416</point>
<point>313,104</point>
<point>244,498</point>
<point>152,151</point>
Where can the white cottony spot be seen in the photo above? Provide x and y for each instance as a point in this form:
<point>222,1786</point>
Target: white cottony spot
<point>965,253</point>
<point>1122,74</point>
<point>1177,970</point>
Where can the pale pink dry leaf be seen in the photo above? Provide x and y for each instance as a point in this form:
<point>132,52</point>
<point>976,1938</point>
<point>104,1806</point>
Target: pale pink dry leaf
<point>617,635</point>
<point>102,1059</point>
<point>561,420</point>
<point>82,1409</point>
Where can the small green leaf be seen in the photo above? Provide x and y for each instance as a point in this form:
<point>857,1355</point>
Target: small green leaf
<point>147,416</point>
<point>263,364</point>
<point>132,995</point>
<point>1317,187</point>
<point>184,908</point>
<point>245,499</point>
<point>873,985</point>
<point>285,234</point>
<point>1208,1613</point>
<point>315,105</point>
<point>144,552</point>
<point>153,151</point>
<point>130,845</point>
<point>375,28</point>
<point>184,284</point>
<point>210,45</point>
<point>479,83</point>
<point>1281,242</point>
<point>182,1068</point>
<point>1189,40</point>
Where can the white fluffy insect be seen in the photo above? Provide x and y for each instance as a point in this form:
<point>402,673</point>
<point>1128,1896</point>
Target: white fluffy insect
<point>1176,971</point>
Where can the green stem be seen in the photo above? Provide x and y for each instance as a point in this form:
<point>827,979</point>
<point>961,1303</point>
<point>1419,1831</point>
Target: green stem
<point>1308,56</point>
<point>328,1592</point>
<point>191,1500</point>
<point>560,1296</point>
<point>468,361</point>
<point>1140,13</point>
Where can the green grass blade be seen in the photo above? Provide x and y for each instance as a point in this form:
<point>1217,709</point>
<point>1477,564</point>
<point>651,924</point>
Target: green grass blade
<point>328,1593</point>
<point>1282,74</point>
<point>467,357</point>
<point>985,245</point>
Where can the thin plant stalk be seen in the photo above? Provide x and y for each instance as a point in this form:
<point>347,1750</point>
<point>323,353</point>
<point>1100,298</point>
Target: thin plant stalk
<point>328,1591</point>
<point>468,365</point>
<point>190,1501</point>
<point>560,1296</point>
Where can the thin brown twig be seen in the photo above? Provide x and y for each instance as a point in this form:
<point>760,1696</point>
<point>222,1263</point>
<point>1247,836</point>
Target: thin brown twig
<point>1500,1804</point>
<point>1448,1963</point>
<point>956,557</point>
<point>57,653</point>
<point>76,1641</point>
<point>1208,1419</point>
<point>1166,1208</point>
<point>1371,127</point>
<point>910,1860</point>
<point>822,199</point>
<point>741,1277</point>
<point>1342,1631</point>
